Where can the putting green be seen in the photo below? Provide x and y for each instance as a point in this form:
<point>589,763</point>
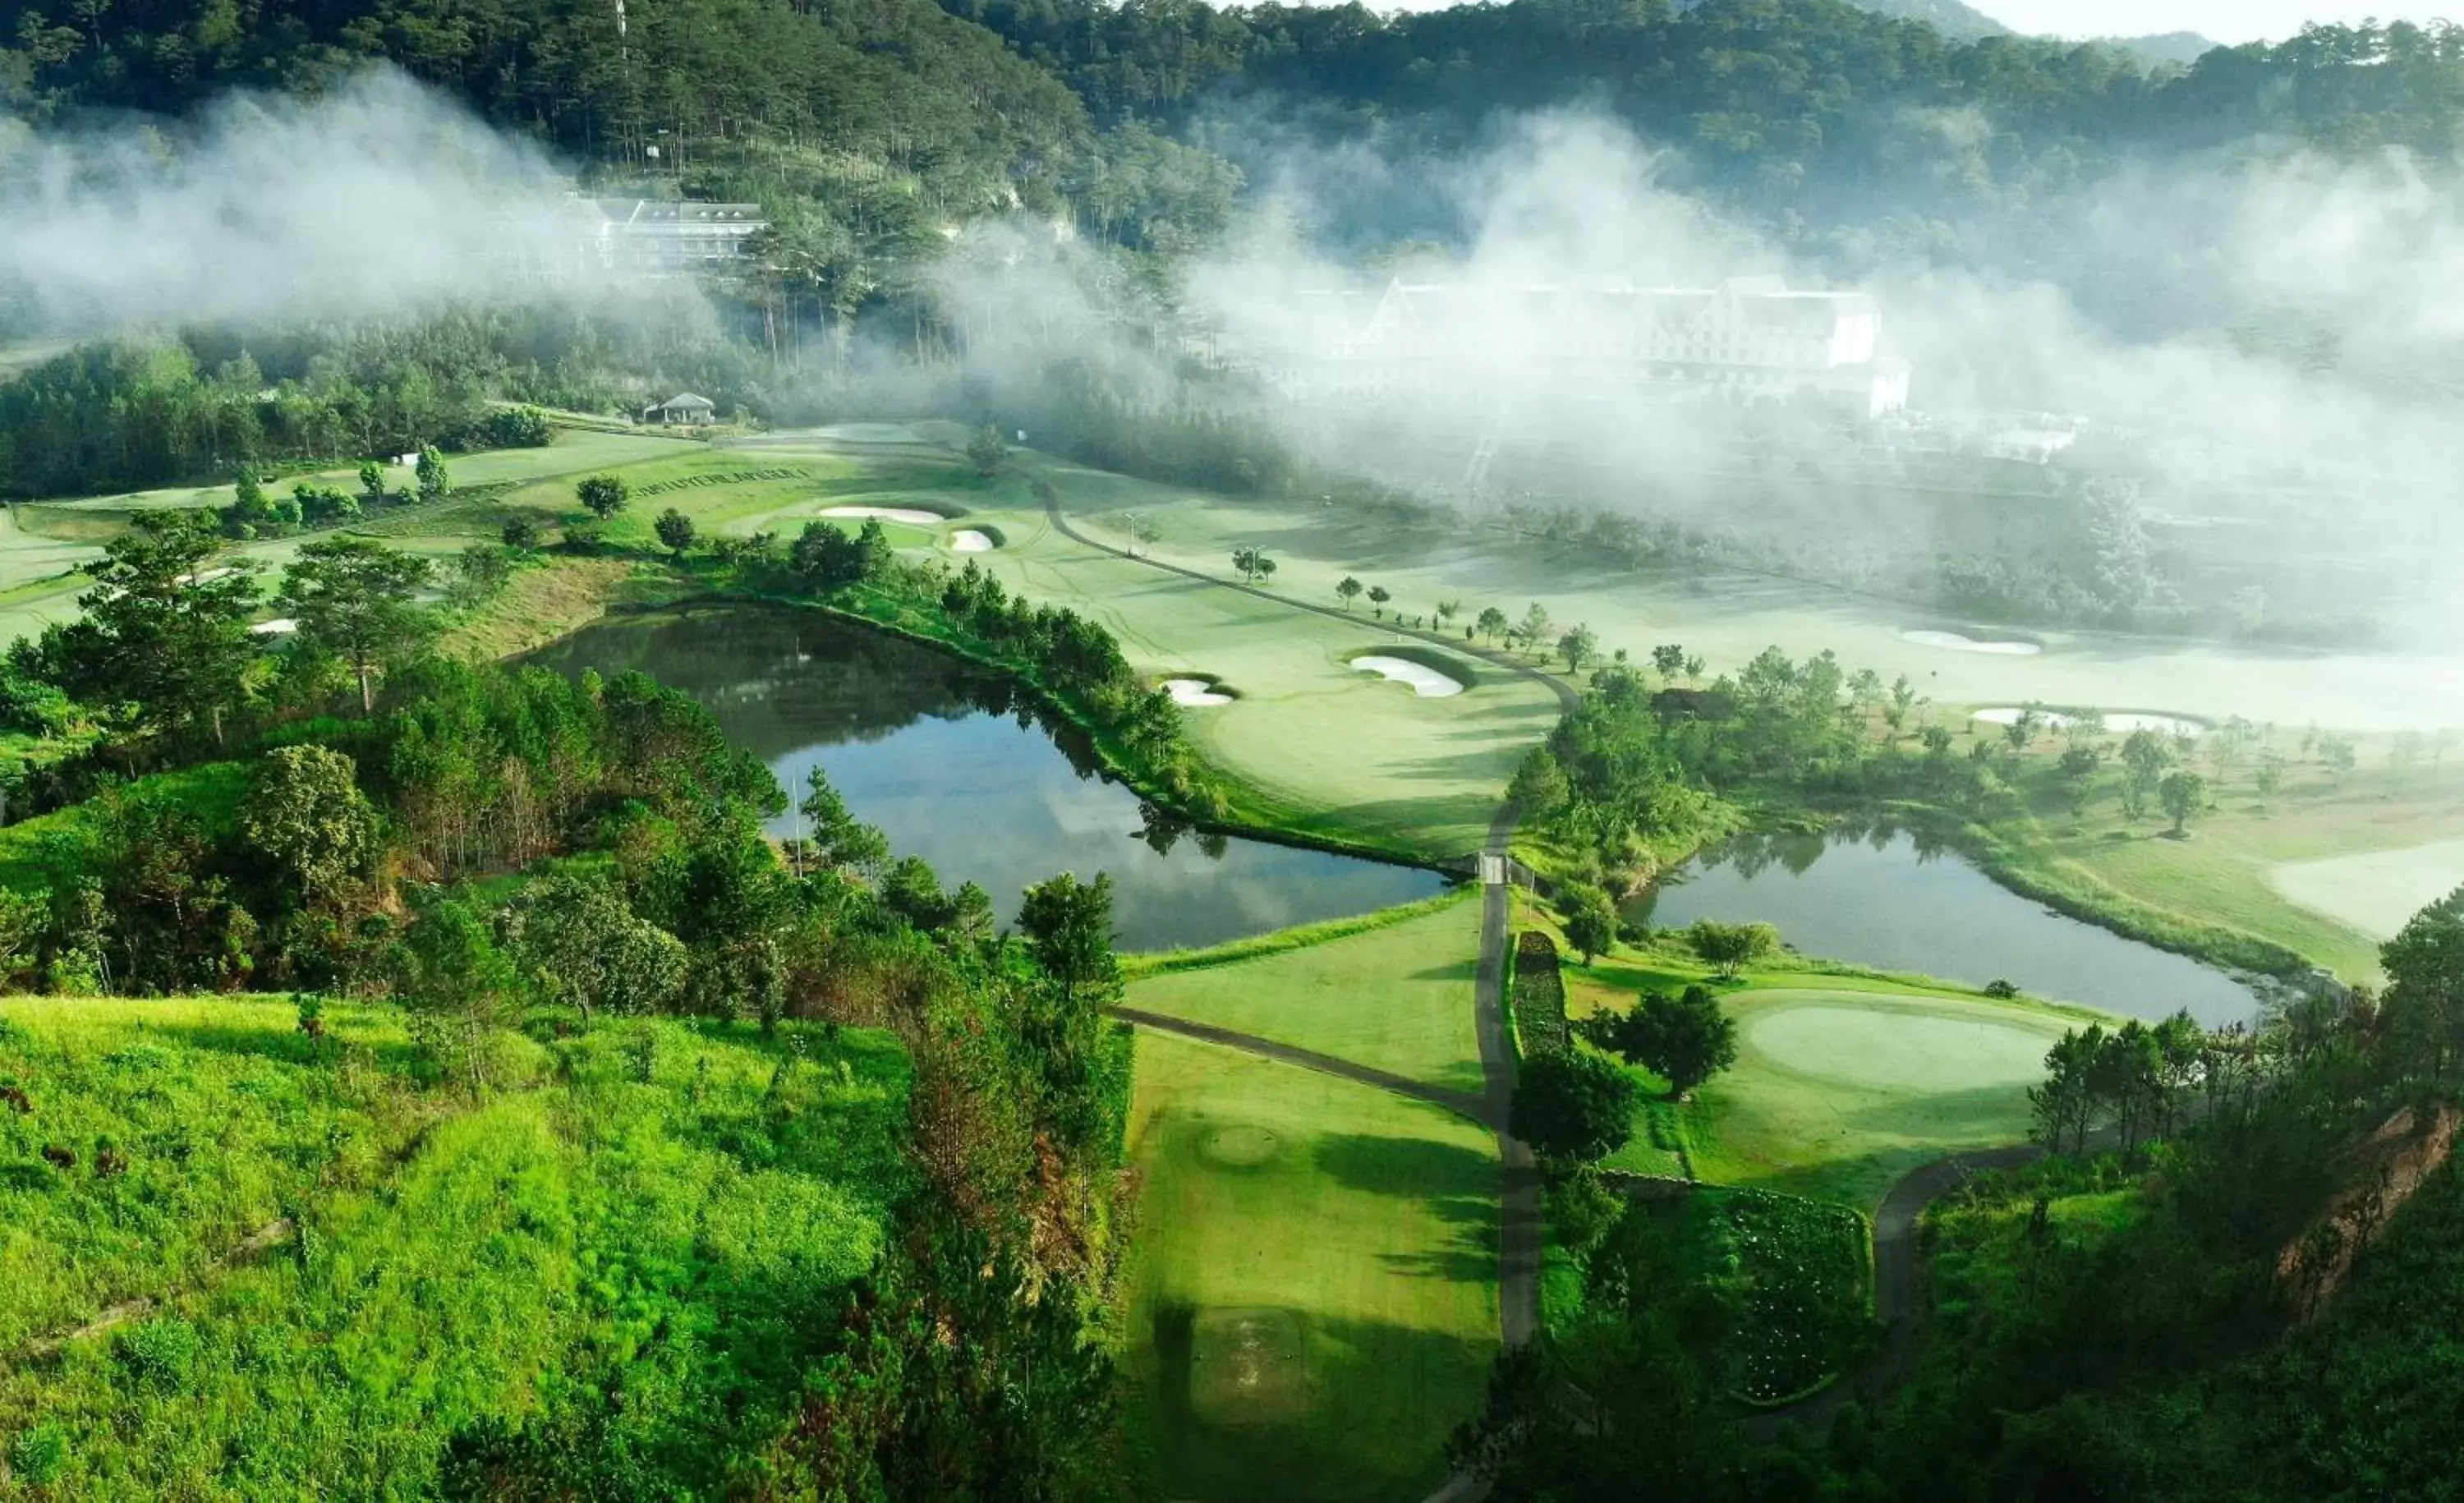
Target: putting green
<point>1899,1044</point>
<point>2375,891</point>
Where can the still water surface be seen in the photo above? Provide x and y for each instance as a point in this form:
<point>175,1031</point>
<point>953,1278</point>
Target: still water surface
<point>1882,898</point>
<point>955,769</point>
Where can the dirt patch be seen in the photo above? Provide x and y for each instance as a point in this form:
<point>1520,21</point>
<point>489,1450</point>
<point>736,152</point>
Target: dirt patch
<point>2393,1163</point>
<point>1243,1147</point>
<point>1249,1367</point>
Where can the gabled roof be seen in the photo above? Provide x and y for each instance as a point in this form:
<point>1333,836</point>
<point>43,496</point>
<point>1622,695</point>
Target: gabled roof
<point>688,399</point>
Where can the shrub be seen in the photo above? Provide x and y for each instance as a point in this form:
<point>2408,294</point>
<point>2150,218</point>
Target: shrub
<point>156,1355</point>
<point>1573,1106</point>
<point>40,1455</point>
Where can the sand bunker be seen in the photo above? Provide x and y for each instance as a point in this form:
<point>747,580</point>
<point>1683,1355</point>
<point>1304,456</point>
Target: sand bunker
<point>1425,681</point>
<point>281,627</point>
<point>1197,691</point>
<point>969,540</point>
<point>1961,642</point>
<point>2121,723</point>
<point>906,514</point>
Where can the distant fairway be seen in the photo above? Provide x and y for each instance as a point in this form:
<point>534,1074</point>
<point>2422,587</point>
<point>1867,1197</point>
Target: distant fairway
<point>1312,1304</point>
<point>1397,999</point>
<point>2377,891</point>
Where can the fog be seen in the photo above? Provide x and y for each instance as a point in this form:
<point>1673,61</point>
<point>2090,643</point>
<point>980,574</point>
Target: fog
<point>377,197</point>
<point>2291,405</point>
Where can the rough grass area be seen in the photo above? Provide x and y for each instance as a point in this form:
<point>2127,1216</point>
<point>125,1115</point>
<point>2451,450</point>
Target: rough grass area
<point>1539,994</point>
<point>557,598</point>
<point>1398,997</point>
<point>2326,866</point>
<point>1778,1288</point>
<point>1312,1300</point>
<point>626,1268</point>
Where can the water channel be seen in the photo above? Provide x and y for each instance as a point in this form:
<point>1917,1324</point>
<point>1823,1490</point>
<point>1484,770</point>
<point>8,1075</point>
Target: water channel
<point>1884,898</point>
<point>956,768</point>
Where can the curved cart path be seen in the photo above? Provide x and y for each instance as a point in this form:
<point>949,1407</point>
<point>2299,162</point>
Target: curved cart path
<point>1899,1304</point>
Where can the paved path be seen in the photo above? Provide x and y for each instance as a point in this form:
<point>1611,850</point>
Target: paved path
<point>1464,1103</point>
<point>1898,1303</point>
<point>1519,1239</point>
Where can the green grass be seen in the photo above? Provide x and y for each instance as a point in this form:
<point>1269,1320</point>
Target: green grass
<point>2327,867</point>
<point>680,1246</point>
<point>1843,1081</point>
<point>1397,997</point>
<point>1312,1300</point>
<point>31,850</point>
<point>1300,937</point>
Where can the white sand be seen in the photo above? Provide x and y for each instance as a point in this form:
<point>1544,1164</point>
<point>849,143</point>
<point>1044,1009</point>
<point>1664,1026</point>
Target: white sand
<point>969,540</point>
<point>282,625</point>
<point>2119,722</point>
<point>1425,681</point>
<point>1957,642</point>
<point>1194,692</point>
<point>905,514</point>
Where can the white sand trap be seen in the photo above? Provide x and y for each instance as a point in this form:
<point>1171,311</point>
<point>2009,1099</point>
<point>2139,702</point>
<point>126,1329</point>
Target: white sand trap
<point>905,514</point>
<point>2119,723</point>
<point>2377,891</point>
<point>282,625</point>
<point>967,540</point>
<point>1960,642</point>
<point>1195,692</point>
<point>1425,681</point>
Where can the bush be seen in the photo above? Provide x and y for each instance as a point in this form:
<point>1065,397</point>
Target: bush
<point>157,1353</point>
<point>1573,1106</point>
<point>40,1455</point>
<point>518,428</point>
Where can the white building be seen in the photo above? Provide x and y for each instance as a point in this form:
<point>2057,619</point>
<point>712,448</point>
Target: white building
<point>1463,342</point>
<point>596,238</point>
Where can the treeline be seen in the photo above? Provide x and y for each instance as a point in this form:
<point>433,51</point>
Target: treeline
<point>491,848</point>
<point>2228,1280</point>
<point>1638,774</point>
<point>201,405</point>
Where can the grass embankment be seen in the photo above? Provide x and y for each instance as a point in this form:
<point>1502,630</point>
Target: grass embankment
<point>2328,866</point>
<point>1397,996</point>
<point>635,1266</point>
<point>1312,1301</point>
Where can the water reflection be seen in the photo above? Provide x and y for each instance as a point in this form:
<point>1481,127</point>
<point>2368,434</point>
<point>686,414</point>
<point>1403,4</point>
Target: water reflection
<point>1900,898</point>
<point>956,767</point>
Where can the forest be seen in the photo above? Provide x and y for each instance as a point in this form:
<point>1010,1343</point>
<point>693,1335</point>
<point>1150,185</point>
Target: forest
<point>513,868</point>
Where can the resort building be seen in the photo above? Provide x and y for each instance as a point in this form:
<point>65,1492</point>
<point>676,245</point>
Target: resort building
<point>1464,343</point>
<point>598,238</point>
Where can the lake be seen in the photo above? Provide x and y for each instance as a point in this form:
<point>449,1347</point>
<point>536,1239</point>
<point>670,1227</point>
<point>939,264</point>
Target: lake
<point>953,766</point>
<point>1884,899</point>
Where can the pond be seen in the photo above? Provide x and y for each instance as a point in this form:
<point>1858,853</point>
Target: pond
<point>955,767</point>
<point>1886,898</point>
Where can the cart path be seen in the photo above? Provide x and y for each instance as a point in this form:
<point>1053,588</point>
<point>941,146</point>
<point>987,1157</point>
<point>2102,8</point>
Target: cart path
<point>1463,1103</point>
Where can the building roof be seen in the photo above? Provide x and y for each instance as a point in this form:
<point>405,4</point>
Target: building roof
<point>676,211</point>
<point>686,399</point>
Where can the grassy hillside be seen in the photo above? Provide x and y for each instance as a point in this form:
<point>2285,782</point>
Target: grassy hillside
<point>237,1261</point>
